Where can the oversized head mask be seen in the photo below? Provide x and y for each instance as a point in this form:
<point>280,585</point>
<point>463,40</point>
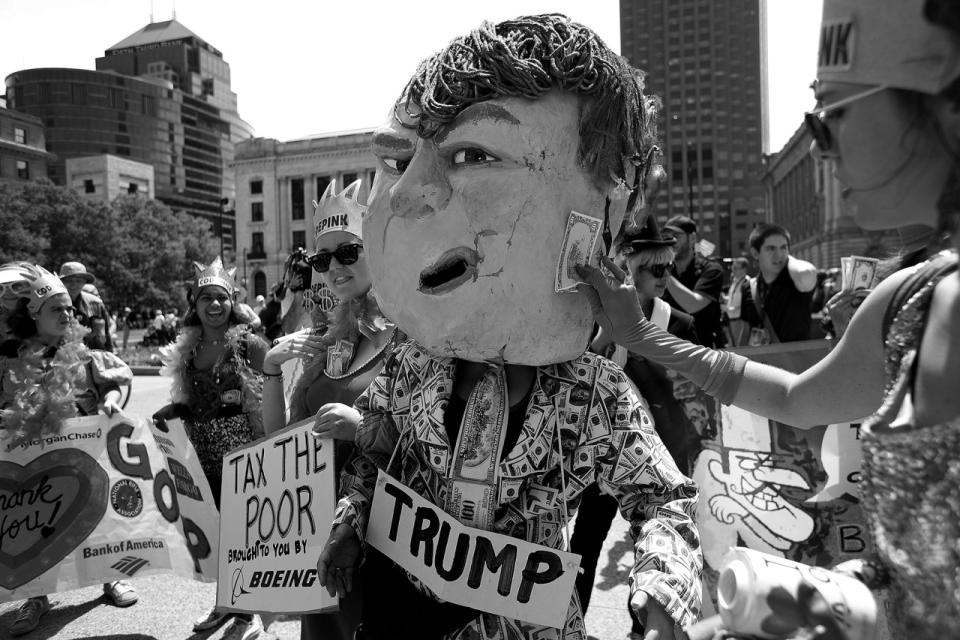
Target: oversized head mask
<point>467,215</point>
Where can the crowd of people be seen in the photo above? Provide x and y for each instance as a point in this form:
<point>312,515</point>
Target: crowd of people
<point>448,330</point>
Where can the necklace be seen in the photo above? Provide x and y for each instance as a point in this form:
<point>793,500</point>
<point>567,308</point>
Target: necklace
<point>350,370</point>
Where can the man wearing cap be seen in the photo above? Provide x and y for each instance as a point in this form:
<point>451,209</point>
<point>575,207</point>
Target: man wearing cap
<point>90,309</point>
<point>696,282</point>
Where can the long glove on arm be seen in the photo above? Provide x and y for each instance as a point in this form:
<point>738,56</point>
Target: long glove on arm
<point>617,309</point>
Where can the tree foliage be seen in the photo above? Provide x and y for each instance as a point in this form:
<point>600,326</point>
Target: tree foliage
<point>140,250</point>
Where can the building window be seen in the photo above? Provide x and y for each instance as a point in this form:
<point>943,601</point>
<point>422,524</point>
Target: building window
<point>349,178</point>
<point>19,135</point>
<point>23,169</point>
<point>299,240</point>
<point>88,186</point>
<point>322,182</point>
<point>296,199</point>
<point>133,187</point>
<point>256,242</point>
<point>256,187</point>
<point>256,212</point>
<point>260,284</point>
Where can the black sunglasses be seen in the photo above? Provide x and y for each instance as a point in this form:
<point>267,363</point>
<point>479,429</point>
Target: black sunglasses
<point>658,270</point>
<point>345,254</point>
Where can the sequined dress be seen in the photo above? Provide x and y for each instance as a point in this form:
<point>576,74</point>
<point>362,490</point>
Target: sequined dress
<point>911,486</point>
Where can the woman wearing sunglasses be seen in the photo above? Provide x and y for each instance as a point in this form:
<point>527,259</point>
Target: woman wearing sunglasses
<point>343,353</point>
<point>889,86</point>
<point>47,374</point>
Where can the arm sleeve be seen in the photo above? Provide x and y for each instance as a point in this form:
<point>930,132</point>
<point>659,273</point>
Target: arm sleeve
<point>659,502</point>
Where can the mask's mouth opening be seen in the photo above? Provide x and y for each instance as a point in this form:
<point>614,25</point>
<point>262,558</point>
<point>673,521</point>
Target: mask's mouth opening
<point>452,269</point>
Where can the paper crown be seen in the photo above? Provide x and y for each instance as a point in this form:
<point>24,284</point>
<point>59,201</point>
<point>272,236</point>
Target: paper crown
<point>33,282</point>
<point>214,274</point>
<point>338,211</point>
<point>885,42</point>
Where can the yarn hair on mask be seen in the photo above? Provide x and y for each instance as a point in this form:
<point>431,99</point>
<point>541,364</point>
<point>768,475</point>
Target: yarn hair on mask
<point>528,57</point>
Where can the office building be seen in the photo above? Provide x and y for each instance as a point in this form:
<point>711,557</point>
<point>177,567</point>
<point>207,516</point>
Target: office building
<point>23,153</point>
<point>161,96</point>
<point>706,60</point>
<point>104,178</point>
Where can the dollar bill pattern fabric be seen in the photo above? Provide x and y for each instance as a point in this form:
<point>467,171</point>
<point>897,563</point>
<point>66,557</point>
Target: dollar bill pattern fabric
<point>605,435</point>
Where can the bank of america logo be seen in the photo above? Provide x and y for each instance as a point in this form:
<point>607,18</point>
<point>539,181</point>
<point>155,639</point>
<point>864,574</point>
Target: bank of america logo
<point>129,565</point>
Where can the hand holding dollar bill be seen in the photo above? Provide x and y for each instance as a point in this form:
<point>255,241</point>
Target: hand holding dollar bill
<point>579,242</point>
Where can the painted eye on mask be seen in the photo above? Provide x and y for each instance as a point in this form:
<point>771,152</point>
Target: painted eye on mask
<point>472,155</point>
<point>396,165</point>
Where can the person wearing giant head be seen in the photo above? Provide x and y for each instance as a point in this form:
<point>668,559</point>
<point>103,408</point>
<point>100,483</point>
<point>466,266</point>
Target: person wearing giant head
<point>888,118</point>
<point>494,144</point>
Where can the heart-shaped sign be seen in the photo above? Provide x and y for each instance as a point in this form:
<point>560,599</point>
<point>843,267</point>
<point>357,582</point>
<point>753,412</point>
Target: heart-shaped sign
<point>47,508</point>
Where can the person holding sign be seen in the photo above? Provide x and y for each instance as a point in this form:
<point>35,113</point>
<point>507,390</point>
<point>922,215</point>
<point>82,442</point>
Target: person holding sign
<point>341,360</point>
<point>47,374</point>
<point>508,156</point>
<point>216,366</point>
<point>889,92</point>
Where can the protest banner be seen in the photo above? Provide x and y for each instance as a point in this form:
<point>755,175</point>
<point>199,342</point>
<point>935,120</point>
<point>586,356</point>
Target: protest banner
<point>780,489</point>
<point>98,501</point>
<point>483,570</point>
<point>277,502</point>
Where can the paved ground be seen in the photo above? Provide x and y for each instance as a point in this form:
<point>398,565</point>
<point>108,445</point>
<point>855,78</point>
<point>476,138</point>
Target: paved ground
<point>168,605</point>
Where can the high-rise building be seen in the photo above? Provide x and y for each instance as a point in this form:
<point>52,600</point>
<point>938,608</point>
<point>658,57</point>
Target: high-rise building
<point>161,96</point>
<point>706,61</point>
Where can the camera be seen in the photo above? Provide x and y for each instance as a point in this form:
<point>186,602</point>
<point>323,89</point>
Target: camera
<point>297,266</point>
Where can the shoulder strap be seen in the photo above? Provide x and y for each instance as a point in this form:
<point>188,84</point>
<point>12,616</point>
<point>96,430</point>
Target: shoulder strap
<point>914,283</point>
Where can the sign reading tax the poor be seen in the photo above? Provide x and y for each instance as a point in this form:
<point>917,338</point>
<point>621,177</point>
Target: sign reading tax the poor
<point>101,500</point>
<point>276,505</point>
<point>479,569</point>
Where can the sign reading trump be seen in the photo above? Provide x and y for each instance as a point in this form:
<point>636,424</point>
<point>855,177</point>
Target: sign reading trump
<point>479,569</point>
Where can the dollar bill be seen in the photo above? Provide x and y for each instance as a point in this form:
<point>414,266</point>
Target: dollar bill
<point>846,272</point>
<point>864,272</point>
<point>579,242</point>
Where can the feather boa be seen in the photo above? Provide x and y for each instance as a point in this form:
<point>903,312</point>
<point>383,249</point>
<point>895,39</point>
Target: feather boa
<point>343,322</point>
<point>176,356</point>
<point>41,390</point>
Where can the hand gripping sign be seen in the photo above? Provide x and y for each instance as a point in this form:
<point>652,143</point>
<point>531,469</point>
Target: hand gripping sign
<point>471,567</point>
<point>277,502</point>
<point>103,499</point>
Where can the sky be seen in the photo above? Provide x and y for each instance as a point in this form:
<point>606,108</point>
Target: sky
<point>318,66</point>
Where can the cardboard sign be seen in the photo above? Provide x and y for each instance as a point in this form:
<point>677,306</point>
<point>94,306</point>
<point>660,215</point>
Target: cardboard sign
<point>277,502</point>
<point>479,569</point>
<point>99,501</point>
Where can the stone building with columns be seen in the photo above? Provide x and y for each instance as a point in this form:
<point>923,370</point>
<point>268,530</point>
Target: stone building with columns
<point>276,184</point>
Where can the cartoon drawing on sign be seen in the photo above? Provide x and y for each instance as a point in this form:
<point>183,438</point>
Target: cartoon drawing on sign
<point>742,490</point>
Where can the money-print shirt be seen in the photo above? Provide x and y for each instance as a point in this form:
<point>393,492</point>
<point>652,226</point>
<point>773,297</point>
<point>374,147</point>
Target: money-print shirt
<point>611,442</point>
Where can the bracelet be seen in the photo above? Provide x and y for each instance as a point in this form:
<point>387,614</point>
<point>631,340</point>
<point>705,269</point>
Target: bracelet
<point>277,376</point>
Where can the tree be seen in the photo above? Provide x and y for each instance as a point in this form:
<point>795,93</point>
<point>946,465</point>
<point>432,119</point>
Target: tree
<point>154,252</point>
<point>140,250</point>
